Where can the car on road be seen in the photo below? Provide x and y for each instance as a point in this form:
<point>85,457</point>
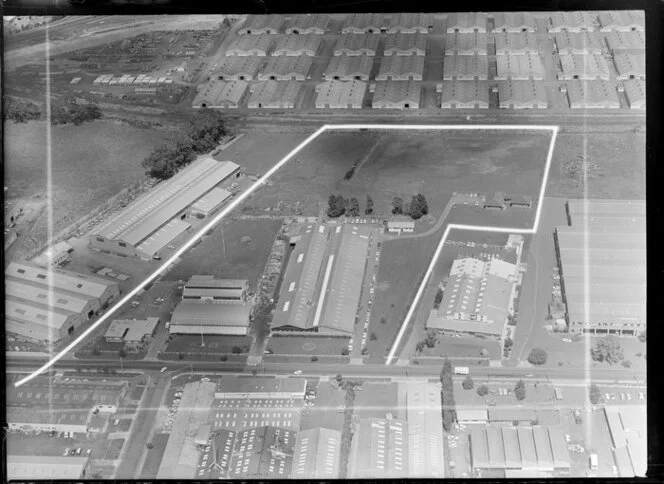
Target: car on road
<point>163,369</point>
<point>297,372</point>
<point>206,379</point>
<point>116,421</point>
<point>567,340</point>
<point>529,375</point>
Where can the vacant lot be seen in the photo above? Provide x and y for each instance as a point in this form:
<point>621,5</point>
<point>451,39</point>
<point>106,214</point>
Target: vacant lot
<point>237,250</point>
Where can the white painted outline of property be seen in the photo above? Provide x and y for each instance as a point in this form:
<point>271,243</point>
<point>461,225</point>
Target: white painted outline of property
<point>215,220</point>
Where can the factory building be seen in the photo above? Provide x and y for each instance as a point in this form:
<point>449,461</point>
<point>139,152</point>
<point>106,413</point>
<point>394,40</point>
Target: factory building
<point>519,67</point>
<point>602,261</point>
<point>273,94</point>
<point>308,24</point>
<point>405,44</point>
<point>208,204</point>
<point>622,21</point>
<point>262,24</point>
<point>54,255</point>
<point>250,45</point>
<point>460,43</point>
<point>579,42</point>
<point>50,468</point>
<point>220,95</point>
<point>464,94</point>
<point>628,429</point>
<point>584,67</point>
<point>465,67</point>
<point>397,95</point>
<point>297,45</point>
<point>286,68</point>
<point>262,452</point>
<point>635,92</point>
<point>364,23</point>
<point>592,95</point>
<point>425,431</point>
<point>356,44</point>
<point>347,68</point>
<point>572,21</point>
<point>49,304</point>
<point>509,43</point>
<point>467,22</point>
<point>340,95</point>
<point>411,23</point>
<point>514,22</point>
<point>153,220</point>
<point>243,68</point>
<point>207,288</point>
<point>130,331</point>
<point>316,454</point>
<point>401,68</point>
<point>522,95</point>
<point>260,388</point>
<point>379,450</point>
<point>619,42</point>
<point>630,66</point>
<point>207,317</point>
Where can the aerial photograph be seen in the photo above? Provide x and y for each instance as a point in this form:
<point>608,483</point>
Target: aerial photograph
<point>325,246</point>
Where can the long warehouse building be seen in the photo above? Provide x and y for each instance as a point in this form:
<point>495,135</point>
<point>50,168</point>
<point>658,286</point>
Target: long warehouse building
<point>152,221</point>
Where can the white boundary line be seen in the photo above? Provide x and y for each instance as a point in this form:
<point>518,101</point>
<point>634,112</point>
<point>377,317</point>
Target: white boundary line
<point>214,221</point>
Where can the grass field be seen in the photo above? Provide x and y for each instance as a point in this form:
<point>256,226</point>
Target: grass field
<point>240,260</point>
<point>303,345</point>
<point>191,343</point>
<point>153,459</point>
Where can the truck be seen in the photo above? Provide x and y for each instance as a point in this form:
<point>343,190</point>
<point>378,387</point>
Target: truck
<point>558,392</point>
<point>594,464</point>
<point>461,370</point>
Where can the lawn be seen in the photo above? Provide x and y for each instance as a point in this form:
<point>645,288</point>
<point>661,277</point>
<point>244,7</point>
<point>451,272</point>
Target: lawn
<point>225,254</point>
<point>222,344</point>
<point>303,345</point>
<point>522,218</point>
<point>153,459</point>
<point>376,400</point>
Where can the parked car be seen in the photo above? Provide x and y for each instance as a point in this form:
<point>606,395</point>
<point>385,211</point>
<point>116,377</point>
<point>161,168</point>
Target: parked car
<point>66,452</point>
<point>72,452</point>
<point>78,451</point>
<point>163,369</point>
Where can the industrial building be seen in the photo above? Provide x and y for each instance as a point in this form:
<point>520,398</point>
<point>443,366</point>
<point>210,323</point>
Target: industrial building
<point>401,68</point>
<point>522,95</point>
<point>579,42</point>
<point>405,44</point>
<point>630,66</point>
<point>602,260</point>
<point>410,23</point>
<point>364,23</point>
<point>584,67</point>
<point>262,24</point>
<point>465,67</point>
<point>379,450</point>
<point>274,94</point>
<point>297,45</point>
<point>399,225</point>
<point>220,94</point>
<point>262,452</point>
<point>577,21</point>
<point>308,24</point>
<point>635,92</point>
<point>466,22</point>
<point>329,306</point>
<point>592,95</point>
<point>153,220</point>
<point>628,429</point>
<point>619,42</point>
<point>509,43</point>
<point>340,95</point>
<point>207,288</point>
<point>208,317</point>
<point>316,454</point>
<point>258,388</point>
<point>460,43</point>
<point>286,68</point>
<point>48,304</point>
<point>180,458</point>
<point>349,67</point>
<point>209,203</point>
<point>514,22</point>
<point>356,44</point>
<point>537,451</point>
<point>477,299</point>
<point>622,21</point>
<point>397,95</point>
<point>130,331</point>
<point>43,467</point>
<point>425,431</point>
<point>54,255</point>
<point>465,94</point>
<point>74,418</point>
<point>250,45</point>
<point>519,67</point>
<point>233,68</point>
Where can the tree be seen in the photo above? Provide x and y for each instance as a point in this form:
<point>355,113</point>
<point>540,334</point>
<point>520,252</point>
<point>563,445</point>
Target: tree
<point>180,356</point>
<point>149,445</point>
<point>482,390</point>
<point>431,339</point>
<point>397,206</point>
<point>365,351</point>
<point>418,206</point>
<point>122,353</point>
<point>345,352</point>
<point>594,394</point>
<point>468,383</point>
<point>520,390</point>
<point>438,299</point>
<point>642,336</point>
<point>447,395</point>
<point>373,336</point>
<point>537,356</point>
<point>236,350</point>
<point>314,358</point>
<point>626,363</point>
<point>339,378</point>
<point>353,209</point>
<point>336,206</point>
<point>607,349</point>
<point>446,375</point>
<point>368,209</point>
<point>419,347</point>
<point>223,357</point>
<point>96,350</point>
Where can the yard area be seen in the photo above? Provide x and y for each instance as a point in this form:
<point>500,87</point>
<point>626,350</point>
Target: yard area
<point>377,400</point>
<point>153,459</point>
<point>303,345</point>
<point>221,344</point>
<point>323,412</point>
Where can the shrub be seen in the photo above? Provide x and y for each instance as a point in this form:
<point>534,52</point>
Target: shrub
<point>642,337</point>
<point>607,349</point>
<point>373,337</point>
<point>482,390</point>
<point>594,394</point>
<point>537,356</point>
<point>520,390</point>
<point>627,364</point>
<point>345,352</point>
<point>180,356</point>
<point>149,445</point>
<point>223,357</point>
<point>468,383</point>
<point>236,350</point>
<point>314,358</point>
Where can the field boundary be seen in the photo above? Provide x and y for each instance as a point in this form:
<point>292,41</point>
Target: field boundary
<point>262,180</point>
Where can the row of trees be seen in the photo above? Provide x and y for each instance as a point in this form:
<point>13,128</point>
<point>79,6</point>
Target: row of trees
<point>417,208</point>
<point>337,206</point>
<point>63,112</point>
<point>447,395</point>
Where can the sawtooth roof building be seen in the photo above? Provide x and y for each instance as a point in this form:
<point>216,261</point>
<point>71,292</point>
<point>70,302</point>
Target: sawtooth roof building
<point>263,453</point>
<point>630,66</point>
<point>153,220</point>
<point>347,68</point>
<point>478,298</point>
<point>205,287</point>
<point>220,95</point>
<point>405,44</point>
<point>297,45</point>
<point>602,258</point>
<point>207,317</point>
<point>242,68</point>
<point>250,45</point>
<point>401,68</point>
<point>584,67</point>
<point>286,68</point>
<point>522,95</point>
<point>308,24</point>
<point>340,95</point>
<point>461,43</point>
<point>622,21</point>
<point>628,429</point>
<point>274,94</point>
<point>592,95</point>
<point>410,23</point>
<point>465,94</point>
<point>465,67</point>
<point>572,21</point>
<point>364,23</point>
<point>519,67</point>
<point>514,22</point>
<point>466,22</point>
<point>509,43</point>
<point>316,454</point>
<point>579,42</point>
<point>397,95</point>
<point>356,44</point>
<point>262,24</point>
<point>635,92</point>
<point>425,435</point>
<point>619,42</point>
<point>379,450</point>
<point>48,304</point>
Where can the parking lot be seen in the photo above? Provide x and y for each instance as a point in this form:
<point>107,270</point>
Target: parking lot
<point>256,412</point>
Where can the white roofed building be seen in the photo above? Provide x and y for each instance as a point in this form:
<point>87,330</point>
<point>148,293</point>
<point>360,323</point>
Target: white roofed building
<point>465,94</point>
<point>509,43</point>
<point>308,24</point>
<point>297,44</point>
<point>220,94</point>
<point>622,21</point>
<point>513,22</point>
<point>466,22</point>
<point>405,44</point>
<point>340,95</point>
<point>577,21</point>
<point>210,202</point>
<point>522,95</point>
<point>364,23</point>
<point>592,94</point>
<point>262,24</point>
<point>316,454</point>
<point>635,92</point>
<point>286,68</point>
<point>460,43</point>
<point>410,23</point>
<point>619,42</point>
<point>630,66</point>
<point>54,255</point>
<point>401,68</point>
<point>465,67</point>
<point>349,67</point>
<point>397,95</point>
<point>584,67</point>
<point>238,68</point>
<point>207,317</point>
<point>519,67</point>
<point>356,44</point>
<point>246,45</point>
<point>578,42</point>
<point>274,94</point>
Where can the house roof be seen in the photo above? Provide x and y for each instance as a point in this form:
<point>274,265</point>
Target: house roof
<point>398,66</point>
<point>250,44</point>
<point>219,93</point>
<point>405,44</point>
<point>338,93</point>
<point>207,203</point>
<point>308,23</point>
<point>519,67</point>
<point>282,65</point>
<point>22,467</point>
<point>635,90</point>
<point>613,20</point>
<point>522,93</point>
<point>575,21</point>
<point>297,44</point>
<point>262,23</point>
<point>316,454</point>
<point>42,296</point>
<point>634,40</point>
<point>584,66</point>
<point>363,22</point>
<point>513,22</point>
<point>274,93</point>
<point>397,92</point>
<point>467,21</point>
<point>131,330</point>
<point>465,67</point>
<point>239,65</point>
<point>349,67</point>
<point>462,92</point>
<point>630,65</point>
<point>596,93</point>
<point>579,42</point>
<point>409,22</point>
<point>466,43</point>
<point>261,385</point>
<point>356,44</point>
<point>515,43</point>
